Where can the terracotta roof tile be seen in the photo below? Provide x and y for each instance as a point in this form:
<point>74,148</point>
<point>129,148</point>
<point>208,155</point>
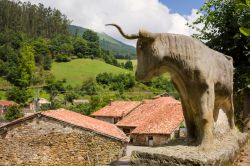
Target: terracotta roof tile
<point>158,116</point>
<point>6,102</point>
<point>87,122</point>
<point>117,109</point>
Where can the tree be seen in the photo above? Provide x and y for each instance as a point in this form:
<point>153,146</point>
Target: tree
<point>90,36</point>
<point>13,112</point>
<point>19,95</point>
<point>26,65</point>
<point>80,47</point>
<point>93,42</point>
<point>54,87</point>
<point>222,20</point>
<point>21,66</point>
<point>47,62</point>
<point>34,20</point>
<point>241,5</point>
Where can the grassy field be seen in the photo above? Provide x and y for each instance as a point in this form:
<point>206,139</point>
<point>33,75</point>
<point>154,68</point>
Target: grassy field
<point>79,70</point>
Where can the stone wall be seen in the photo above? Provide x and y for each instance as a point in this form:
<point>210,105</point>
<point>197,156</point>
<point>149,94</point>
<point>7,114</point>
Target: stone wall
<point>44,141</point>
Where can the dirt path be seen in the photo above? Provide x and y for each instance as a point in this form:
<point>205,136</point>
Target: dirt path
<point>125,161</point>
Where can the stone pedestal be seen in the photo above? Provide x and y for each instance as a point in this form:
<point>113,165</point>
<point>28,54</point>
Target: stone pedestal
<point>223,153</point>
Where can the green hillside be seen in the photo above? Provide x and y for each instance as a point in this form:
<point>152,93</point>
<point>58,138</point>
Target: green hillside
<point>81,69</point>
<point>107,42</point>
<point>73,29</point>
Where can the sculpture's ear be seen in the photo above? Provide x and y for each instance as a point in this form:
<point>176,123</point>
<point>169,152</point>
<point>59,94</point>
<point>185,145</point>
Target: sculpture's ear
<point>146,35</point>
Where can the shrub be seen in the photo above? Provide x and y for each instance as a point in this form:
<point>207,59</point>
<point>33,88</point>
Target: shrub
<point>128,65</point>
<point>13,112</point>
<point>89,87</point>
<point>62,58</point>
<point>19,95</point>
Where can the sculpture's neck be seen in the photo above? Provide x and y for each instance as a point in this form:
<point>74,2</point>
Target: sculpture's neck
<point>178,72</point>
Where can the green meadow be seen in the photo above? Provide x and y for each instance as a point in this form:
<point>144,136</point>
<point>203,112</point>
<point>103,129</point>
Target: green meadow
<point>78,70</point>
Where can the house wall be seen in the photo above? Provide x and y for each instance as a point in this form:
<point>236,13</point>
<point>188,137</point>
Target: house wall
<point>105,119</point>
<point>126,130</point>
<point>43,141</point>
<point>143,139</point>
<point>3,109</point>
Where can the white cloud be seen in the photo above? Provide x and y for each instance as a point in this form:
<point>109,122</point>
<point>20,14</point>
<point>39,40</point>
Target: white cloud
<point>131,15</point>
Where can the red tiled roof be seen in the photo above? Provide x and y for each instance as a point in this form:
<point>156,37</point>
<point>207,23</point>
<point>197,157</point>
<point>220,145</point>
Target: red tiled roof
<point>158,116</point>
<point>6,102</point>
<point>95,125</point>
<point>117,109</point>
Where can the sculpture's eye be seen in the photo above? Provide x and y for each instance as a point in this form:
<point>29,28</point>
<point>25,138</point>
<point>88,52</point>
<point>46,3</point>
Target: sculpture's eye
<point>139,45</point>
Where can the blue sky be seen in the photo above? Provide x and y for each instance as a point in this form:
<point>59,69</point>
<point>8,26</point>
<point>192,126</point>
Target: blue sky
<point>183,7</point>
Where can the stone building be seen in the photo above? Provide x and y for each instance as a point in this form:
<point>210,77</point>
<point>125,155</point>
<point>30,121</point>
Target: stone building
<point>60,137</point>
<point>4,104</point>
<point>115,111</point>
<point>153,123</point>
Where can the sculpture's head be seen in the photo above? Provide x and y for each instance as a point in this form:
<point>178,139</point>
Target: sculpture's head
<point>147,51</point>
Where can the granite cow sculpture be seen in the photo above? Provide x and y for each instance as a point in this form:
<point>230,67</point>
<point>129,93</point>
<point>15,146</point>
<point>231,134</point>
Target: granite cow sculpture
<point>202,76</point>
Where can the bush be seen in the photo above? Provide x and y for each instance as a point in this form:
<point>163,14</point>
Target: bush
<point>13,112</point>
<point>70,96</point>
<point>79,55</point>
<point>128,65</point>
<point>19,95</point>
<point>119,82</point>
<point>84,109</point>
<point>104,78</point>
<point>62,58</point>
<point>89,87</point>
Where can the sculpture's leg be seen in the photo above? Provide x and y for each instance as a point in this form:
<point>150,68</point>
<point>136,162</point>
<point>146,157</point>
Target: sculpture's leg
<point>230,111</point>
<point>207,119</point>
<point>189,121</point>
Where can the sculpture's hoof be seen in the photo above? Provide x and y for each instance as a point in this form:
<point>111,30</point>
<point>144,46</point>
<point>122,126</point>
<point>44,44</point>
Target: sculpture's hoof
<point>206,145</point>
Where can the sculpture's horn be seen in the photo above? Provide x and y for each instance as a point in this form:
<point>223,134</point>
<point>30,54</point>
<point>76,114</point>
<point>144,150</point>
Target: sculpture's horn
<point>133,36</point>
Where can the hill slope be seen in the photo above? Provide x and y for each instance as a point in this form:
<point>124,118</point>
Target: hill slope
<point>107,42</point>
<point>81,69</point>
